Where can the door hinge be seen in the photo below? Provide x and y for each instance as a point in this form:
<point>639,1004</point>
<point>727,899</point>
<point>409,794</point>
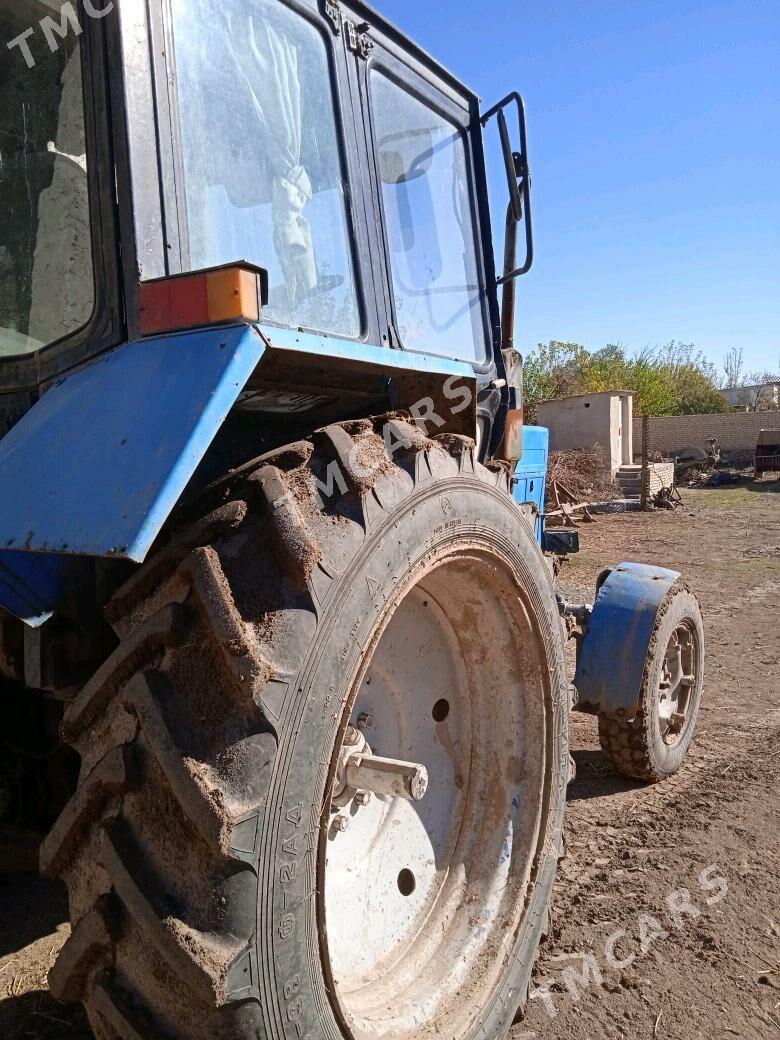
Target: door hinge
<point>333,14</point>
<point>358,39</point>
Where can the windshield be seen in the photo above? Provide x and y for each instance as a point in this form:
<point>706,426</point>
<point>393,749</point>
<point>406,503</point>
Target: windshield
<point>263,172</point>
<point>46,280</point>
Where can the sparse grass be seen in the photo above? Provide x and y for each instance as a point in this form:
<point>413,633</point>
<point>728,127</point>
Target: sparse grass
<point>750,496</point>
<point>755,569</point>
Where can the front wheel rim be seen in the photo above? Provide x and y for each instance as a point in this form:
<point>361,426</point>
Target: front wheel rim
<point>421,902</point>
<point>677,683</point>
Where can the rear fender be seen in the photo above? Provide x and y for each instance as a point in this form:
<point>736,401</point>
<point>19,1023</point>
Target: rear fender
<point>96,467</point>
<point>98,464</point>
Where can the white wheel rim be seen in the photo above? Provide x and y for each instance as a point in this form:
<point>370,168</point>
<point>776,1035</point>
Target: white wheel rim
<point>422,901</point>
<point>679,674</point>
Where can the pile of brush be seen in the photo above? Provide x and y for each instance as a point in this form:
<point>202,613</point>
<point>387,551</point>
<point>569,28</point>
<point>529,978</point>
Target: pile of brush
<point>578,477</point>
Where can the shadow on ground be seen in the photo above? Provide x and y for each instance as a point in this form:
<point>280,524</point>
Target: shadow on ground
<point>764,486</point>
<point>30,908</point>
<point>37,1016</point>
<point>32,912</point>
<point>736,482</point>
<point>596,778</point>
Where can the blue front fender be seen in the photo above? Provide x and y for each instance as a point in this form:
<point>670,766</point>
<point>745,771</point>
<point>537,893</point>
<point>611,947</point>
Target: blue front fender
<point>96,467</point>
<point>611,658</point>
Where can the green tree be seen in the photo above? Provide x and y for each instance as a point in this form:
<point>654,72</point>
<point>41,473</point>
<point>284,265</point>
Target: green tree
<point>674,379</point>
<point>552,370</point>
<point>695,380</point>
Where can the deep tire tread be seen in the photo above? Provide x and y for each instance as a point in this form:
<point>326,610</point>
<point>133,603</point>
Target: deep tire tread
<point>111,1010</point>
<point>164,629</point>
<point>631,746</point>
<point>109,779</point>
<point>148,720</point>
<point>144,915</point>
<point>198,802</point>
<point>89,940</point>
<point>203,532</point>
<point>625,745</point>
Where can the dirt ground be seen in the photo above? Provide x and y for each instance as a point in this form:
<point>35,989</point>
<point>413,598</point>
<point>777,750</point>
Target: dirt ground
<point>678,967</point>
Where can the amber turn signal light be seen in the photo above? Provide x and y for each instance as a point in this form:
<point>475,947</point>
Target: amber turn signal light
<point>217,296</point>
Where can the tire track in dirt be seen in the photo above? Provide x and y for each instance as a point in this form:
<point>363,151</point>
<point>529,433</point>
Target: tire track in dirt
<point>718,975</point>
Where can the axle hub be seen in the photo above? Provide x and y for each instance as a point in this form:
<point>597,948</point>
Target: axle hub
<point>360,773</point>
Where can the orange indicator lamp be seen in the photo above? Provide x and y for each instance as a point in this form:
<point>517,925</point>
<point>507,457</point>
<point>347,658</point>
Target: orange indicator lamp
<point>217,296</point>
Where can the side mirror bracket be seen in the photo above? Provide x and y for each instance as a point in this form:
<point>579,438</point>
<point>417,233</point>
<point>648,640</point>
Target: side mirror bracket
<point>518,174</point>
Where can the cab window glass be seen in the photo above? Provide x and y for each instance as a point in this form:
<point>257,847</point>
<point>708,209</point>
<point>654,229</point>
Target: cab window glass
<point>423,167</point>
<point>263,173</point>
<point>46,278</point>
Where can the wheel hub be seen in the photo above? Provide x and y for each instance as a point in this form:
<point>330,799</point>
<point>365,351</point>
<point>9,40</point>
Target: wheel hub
<point>361,773</point>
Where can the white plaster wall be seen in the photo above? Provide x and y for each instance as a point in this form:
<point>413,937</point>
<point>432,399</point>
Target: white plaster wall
<point>592,422</point>
<point>661,476</point>
<point>627,404</point>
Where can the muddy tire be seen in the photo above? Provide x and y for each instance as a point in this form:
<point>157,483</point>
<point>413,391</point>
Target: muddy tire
<point>654,744</point>
<point>205,869</point>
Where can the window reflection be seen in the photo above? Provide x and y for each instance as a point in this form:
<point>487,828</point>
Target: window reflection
<point>263,172</point>
<point>423,168</point>
<point>46,278</point>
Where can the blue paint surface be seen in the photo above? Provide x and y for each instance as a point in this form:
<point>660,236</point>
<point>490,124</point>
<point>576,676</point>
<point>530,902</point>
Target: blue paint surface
<point>97,465</point>
<point>612,657</point>
<point>365,353</point>
<point>530,477</point>
<point>30,585</point>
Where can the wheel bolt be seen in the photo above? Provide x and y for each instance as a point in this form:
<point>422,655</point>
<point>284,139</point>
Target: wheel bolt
<point>353,737</point>
<point>363,797</point>
<point>341,824</point>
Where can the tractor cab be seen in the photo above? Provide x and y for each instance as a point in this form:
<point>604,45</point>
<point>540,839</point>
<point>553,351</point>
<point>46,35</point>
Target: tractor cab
<point>307,139</point>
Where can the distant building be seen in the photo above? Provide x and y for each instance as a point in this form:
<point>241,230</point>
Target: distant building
<point>601,422</point>
<point>761,398</point>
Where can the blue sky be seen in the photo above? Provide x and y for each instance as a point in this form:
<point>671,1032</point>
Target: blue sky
<point>655,146</point>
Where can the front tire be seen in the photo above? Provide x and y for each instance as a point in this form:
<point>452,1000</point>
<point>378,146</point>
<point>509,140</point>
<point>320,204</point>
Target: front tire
<point>653,746</point>
<point>212,895</point>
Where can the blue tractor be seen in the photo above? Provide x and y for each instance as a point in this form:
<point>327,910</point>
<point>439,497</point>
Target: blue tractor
<point>282,678</point>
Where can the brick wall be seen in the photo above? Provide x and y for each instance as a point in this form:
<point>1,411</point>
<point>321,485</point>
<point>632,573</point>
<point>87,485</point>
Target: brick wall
<point>736,431</point>
<point>661,476</point>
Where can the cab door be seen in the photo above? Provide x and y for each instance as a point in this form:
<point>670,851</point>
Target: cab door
<point>419,130</point>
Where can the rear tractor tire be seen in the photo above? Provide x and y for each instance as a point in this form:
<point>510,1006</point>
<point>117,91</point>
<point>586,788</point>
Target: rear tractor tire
<point>653,746</point>
<point>229,879</point>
